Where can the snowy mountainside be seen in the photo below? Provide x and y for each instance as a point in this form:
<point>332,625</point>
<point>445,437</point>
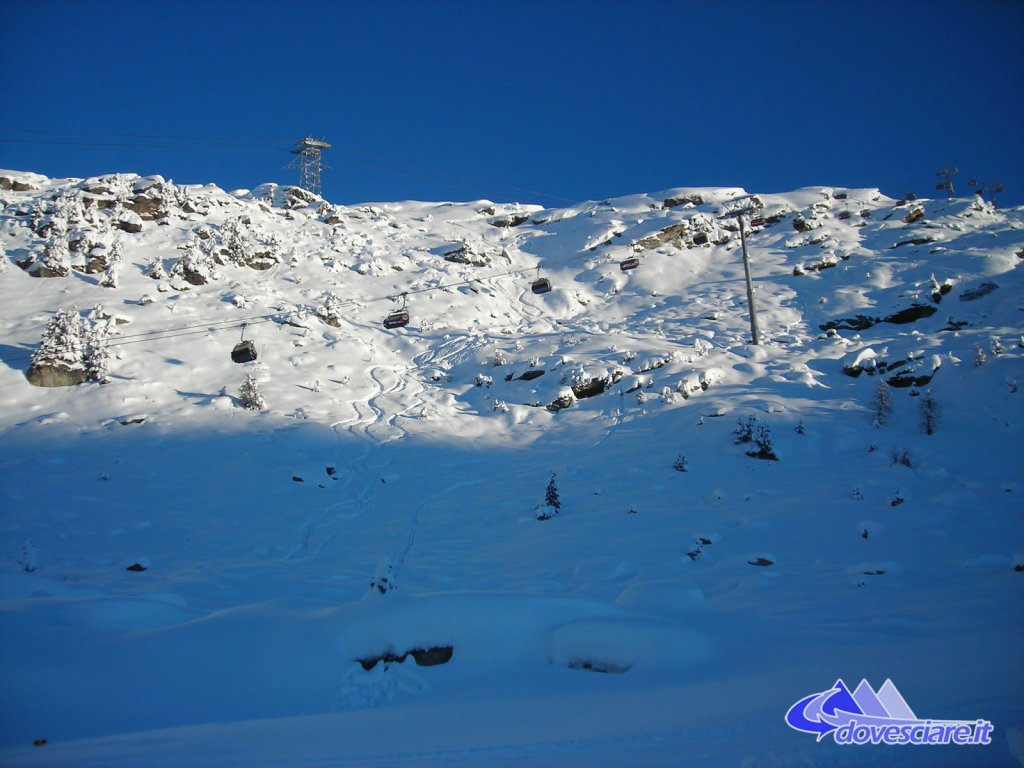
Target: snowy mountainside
<point>738,522</point>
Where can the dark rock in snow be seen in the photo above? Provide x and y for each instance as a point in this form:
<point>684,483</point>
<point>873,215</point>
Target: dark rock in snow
<point>674,202</point>
<point>976,293</point>
<point>910,314</point>
<point>600,665</point>
<point>13,185</point>
<point>509,220</point>
<point>430,656</point>
<point>559,403</point>
<point>673,234</point>
<point>914,241</point>
<point>593,387</point>
<point>55,376</point>
<point>863,322</point>
<point>530,375</point>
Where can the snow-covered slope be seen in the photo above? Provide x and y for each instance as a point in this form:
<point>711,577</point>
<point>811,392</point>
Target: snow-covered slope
<point>713,588</point>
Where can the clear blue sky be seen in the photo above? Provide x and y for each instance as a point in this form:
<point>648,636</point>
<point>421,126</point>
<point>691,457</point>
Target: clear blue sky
<point>533,101</point>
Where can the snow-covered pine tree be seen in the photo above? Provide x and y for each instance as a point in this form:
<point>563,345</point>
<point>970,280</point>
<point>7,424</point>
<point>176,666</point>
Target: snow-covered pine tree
<point>168,199</point>
<point>56,260</point>
<point>3,257</point>
<point>552,503</point>
<point>551,493</point>
<point>114,261</point>
<point>881,403</point>
<point>155,269</point>
<point>929,413</point>
<point>194,266</point>
<point>330,311</point>
<point>95,354</point>
<point>60,359</point>
<point>236,243</point>
<point>251,395</point>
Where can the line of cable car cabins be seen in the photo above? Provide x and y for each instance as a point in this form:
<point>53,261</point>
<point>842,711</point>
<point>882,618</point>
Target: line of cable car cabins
<point>245,350</point>
<point>400,317</point>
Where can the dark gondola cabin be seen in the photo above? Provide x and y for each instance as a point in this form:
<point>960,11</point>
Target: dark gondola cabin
<point>397,319</point>
<point>631,263</point>
<point>244,352</point>
<point>541,285</point>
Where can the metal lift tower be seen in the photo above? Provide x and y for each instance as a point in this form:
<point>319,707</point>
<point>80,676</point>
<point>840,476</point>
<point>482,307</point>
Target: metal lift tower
<point>308,162</point>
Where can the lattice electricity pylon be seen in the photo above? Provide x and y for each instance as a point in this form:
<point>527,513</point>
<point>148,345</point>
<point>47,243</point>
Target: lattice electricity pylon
<point>308,162</point>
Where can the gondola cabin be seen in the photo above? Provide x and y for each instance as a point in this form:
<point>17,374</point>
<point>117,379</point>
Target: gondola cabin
<point>541,285</point>
<point>397,319</point>
<point>244,352</point>
<point>631,263</point>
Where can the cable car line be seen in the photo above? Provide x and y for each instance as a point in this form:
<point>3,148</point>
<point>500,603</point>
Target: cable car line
<point>539,286</point>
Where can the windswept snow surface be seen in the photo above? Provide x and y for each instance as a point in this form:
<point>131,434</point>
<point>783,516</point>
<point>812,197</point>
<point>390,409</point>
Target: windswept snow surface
<point>187,582</point>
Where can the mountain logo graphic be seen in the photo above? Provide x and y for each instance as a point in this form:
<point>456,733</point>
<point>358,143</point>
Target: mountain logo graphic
<point>867,716</point>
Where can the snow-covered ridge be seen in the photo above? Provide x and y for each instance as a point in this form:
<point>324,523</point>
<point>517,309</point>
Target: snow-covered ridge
<point>325,276</point>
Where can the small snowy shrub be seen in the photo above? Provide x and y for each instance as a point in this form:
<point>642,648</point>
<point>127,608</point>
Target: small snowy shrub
<point>29,559</point>
<point>499,359</point>
<point>763,441</point>
<point>901,457</point>
<point>251,395</point>
<point>330,311</point>
<point>483,380</point>
<point>383,580</point>
<point>744,431</point>
<point>980,358</point>
<point>679,465</point>
<point>696,550</point>
<point>155,269</point>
